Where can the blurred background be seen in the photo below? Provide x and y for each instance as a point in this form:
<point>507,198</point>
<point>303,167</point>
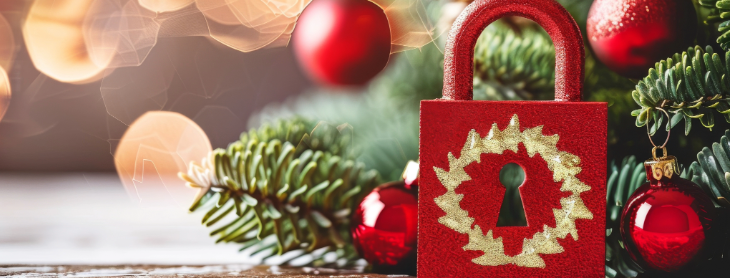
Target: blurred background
<point>77,74</point>
<point>61,199</point>
<point>60,126</point>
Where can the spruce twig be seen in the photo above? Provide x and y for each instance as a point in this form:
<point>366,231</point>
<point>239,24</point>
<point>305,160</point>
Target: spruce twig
<point>281,188</point>
<point>510,64</point>
<point>719,13</point>
<point>624,179</point>
<point>711,171</point>
<point>689,85</point>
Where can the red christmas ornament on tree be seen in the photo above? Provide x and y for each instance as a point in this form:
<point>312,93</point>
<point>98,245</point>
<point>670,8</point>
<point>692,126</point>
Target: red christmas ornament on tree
<point>384,228</point>
<point>668,223</point>
<point>342,42</point>
<point>629,36</point>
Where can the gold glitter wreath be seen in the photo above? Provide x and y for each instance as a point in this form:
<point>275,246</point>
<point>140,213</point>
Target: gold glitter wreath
<point>563,165</point>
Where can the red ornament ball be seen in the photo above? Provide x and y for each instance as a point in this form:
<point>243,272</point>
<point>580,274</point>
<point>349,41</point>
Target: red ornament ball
<point>668,224</point>
<point>384,228</point>
<point>629,36</point>
<point>342,42</point>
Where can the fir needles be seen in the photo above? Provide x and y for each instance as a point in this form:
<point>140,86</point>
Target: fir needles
<point>282,188</point>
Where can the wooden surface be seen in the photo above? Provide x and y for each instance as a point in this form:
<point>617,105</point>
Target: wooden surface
<point>85,225</point>
<point>88,219</point>
<point>179,271</point>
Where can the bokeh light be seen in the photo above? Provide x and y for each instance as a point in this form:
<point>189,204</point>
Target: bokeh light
<point>119,34</point>
<point>53,34</point>
<point>248,25</point>
<point>410,27</point>
<point>153,150</point>
<point>162,6</point>
<point>7,44</point>
<point>4,93</point>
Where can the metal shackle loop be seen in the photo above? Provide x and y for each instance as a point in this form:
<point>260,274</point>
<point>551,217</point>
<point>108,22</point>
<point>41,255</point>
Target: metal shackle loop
<point>564,32</point>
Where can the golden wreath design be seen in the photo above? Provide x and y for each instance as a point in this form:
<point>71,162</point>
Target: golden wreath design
<point>564,166</point>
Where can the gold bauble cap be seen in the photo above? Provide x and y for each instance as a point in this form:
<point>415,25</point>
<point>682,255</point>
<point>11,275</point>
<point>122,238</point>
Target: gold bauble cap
<point>661,167</point>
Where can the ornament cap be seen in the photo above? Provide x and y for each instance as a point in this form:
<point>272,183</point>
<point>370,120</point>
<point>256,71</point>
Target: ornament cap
<point>658,168</point>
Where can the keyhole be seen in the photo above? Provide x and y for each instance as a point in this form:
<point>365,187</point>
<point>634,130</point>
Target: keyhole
<point>512,213</point>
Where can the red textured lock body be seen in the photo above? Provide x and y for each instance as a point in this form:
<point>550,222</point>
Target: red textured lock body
<point>560,145</point>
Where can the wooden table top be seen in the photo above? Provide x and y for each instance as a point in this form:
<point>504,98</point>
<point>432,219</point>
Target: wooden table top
<point>85,225</point>
<point>233,270</point>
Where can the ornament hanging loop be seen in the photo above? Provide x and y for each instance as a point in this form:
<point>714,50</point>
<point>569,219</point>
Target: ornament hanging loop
<point>669,132</point>
<point>664,166</point>
<point>664,152</point>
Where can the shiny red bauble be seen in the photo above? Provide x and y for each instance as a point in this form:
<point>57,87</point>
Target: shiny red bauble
<point>342,42</point>
<point>384,228</point>
<point>629,36</point>
<point>668,224</point>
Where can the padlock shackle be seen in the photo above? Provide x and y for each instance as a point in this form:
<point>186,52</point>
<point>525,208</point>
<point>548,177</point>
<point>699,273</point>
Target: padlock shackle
<point>566,36</point>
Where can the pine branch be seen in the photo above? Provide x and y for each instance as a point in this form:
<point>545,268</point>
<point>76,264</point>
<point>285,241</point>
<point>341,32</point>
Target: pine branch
<point>622,182</point>
<point>719,13</point>
<point>385,136</point>
<point>711,171</point>
<point>280,189</point>
<point>513,61</point>
<point>689,85</point>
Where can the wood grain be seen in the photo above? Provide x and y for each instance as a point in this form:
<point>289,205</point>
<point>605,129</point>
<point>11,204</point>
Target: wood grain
<point>180,271</point>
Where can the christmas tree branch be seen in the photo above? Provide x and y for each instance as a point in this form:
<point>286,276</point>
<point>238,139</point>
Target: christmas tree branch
<point>514,60</point>
<point>689,85</point>
<point>623,181</point>
<point>719,13</point>
<point>711,171</point>
<point>280,189</point>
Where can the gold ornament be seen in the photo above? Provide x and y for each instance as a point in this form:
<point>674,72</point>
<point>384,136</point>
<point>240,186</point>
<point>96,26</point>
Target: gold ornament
<point>664,166</point>
<point>564,166</point>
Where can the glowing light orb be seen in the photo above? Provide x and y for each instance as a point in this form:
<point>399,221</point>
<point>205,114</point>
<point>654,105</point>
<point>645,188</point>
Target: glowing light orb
<point>4,93</point>
<point>162,6</point>
<point>7,44</point>
<point>152,151</point>
<point>53,34</point>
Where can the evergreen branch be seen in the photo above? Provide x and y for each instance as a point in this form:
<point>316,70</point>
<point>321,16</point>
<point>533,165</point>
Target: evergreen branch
<point>273,196</point>
<point>513,61</point>
<point>687,85</point>
<point>622,182</point>
<point>384,140</point>
<point>711,171</point>
<point>719,13</point>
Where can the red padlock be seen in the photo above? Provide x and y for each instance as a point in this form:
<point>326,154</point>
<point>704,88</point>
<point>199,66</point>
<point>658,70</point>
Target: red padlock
<point>560,145</point>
